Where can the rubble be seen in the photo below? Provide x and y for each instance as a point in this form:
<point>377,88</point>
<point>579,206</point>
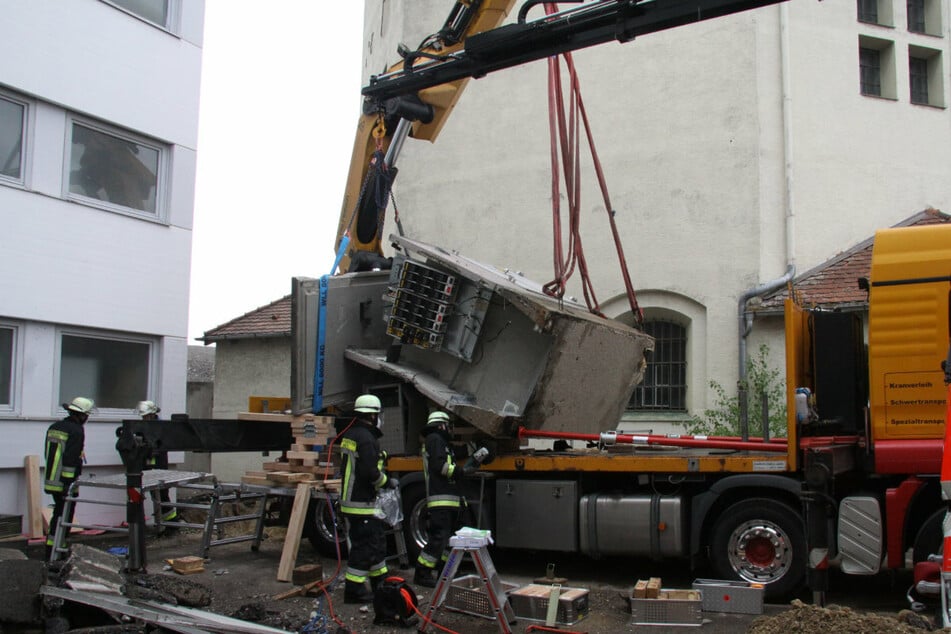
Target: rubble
<point>835,619</point>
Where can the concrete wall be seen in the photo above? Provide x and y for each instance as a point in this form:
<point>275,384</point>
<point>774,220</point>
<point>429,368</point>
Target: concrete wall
<point>244,368</point>
<point>67,266</point>
<point>731,148</point>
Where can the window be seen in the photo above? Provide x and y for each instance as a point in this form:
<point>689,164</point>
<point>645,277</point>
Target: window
<point>871,65</point>
<point>114,373</point>
<point>868,11</point>
<point>877,67</point>
<point>925,76</point>
<point>665,381</point>
<point>916,16</point>
<point>924,16</point>
<point>7,340</point>
<point>116,169</point>
<point>875,12</point>
<point>12,138</point>
<point>918,79</point>
<point>155,11</point>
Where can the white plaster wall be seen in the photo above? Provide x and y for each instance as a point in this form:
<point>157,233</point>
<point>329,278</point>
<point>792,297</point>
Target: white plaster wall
<point>90,57</point>
<point>68,265</point>
<point>691,126</point>
<point>244,368</point>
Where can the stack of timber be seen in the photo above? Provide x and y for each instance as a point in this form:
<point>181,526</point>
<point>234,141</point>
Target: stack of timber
<point>308,461</point>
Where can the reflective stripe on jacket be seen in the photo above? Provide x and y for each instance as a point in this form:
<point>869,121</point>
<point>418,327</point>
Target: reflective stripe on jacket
<point>64,454</point>
<point>439,467</point>
<point>362,466</point>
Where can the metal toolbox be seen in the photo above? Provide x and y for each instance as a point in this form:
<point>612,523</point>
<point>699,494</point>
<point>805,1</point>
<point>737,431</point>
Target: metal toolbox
<point>468,595</point>
<point>531,602</point>
<point>668,611</point>
<point>739,597</point>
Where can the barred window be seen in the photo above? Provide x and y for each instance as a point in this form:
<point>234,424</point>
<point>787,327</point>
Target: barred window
<point>665,381</point>
<point>871,71</point>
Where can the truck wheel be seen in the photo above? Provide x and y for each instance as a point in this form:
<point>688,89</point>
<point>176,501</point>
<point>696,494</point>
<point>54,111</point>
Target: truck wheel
<point>760,541</point>
<point>319,528</point>
<point>415,520</point>
<point>929,539</point>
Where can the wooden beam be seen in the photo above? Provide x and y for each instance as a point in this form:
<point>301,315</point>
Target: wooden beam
<point>34,495</point>
<point>294,527</point>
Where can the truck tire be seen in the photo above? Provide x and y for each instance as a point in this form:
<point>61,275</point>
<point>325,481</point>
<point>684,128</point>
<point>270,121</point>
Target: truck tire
<point>415,519</point>
<point>930,537</point>
<point>319,528</point>
<point>760,541</point>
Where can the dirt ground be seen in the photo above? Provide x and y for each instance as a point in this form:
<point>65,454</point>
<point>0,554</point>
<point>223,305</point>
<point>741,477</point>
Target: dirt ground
<point>243,584</point>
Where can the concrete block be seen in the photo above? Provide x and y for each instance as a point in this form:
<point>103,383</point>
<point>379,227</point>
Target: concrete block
<point>20,581</point>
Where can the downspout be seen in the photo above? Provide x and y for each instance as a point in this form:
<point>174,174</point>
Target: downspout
<point>744,318</point>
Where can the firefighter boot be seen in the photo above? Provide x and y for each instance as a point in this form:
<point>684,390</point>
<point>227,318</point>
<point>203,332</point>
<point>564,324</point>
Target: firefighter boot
<point>354,592</point>
<point>425,577</point>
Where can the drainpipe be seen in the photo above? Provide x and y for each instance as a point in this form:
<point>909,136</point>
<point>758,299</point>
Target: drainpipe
<point>744,318</point>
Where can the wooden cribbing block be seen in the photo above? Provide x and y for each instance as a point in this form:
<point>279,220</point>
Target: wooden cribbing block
<point>640,589</point>
<point>294,527</point>
<point>307,573</point>
<point>653,587</point>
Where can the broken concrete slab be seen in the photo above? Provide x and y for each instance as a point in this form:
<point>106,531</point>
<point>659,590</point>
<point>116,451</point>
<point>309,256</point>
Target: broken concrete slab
<point>20,582</point>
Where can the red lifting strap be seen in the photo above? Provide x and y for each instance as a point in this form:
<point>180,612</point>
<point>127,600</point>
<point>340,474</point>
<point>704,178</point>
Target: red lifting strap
<point>565,144</point>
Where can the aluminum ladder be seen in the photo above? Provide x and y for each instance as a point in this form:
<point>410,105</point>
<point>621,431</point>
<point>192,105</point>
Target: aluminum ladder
<point>498,601</point>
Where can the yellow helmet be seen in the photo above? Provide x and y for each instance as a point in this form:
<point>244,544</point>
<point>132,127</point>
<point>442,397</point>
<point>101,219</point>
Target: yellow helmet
<point>80,405</point>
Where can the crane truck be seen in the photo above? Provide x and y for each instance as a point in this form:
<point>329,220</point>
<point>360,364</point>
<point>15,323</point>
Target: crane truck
<point>854,482</point>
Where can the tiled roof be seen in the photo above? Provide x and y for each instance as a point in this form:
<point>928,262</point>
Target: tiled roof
<point>834,283</point>
<point>273,320</point>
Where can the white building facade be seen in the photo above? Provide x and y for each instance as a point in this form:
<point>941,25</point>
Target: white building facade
<point>98,137</point>
<point>734,149</point>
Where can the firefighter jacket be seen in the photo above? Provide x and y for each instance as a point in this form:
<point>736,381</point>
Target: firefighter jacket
<point>439,469</point>
<point>64,454</point>
<point>362,466</point>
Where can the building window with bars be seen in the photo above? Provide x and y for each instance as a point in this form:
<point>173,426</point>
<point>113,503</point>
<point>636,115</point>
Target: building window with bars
<point>918,80</point>
<point>867,11</point>
<point>664,388</point>
<point>870,66</point>
<point>916,16</point>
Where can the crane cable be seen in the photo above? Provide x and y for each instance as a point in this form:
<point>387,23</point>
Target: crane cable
<point>565,141</point>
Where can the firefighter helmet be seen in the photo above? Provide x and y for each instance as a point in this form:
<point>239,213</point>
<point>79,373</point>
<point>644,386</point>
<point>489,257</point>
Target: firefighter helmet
<point>144,408</point>
<point>438,418</point>
<point>367,403</point>
<point>80,405</point>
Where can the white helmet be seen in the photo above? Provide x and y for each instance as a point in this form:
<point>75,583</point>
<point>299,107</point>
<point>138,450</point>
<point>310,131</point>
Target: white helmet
<point>80,405</point>
<point>438,418</point>
<point>367,403</point>
<point>145,408</point>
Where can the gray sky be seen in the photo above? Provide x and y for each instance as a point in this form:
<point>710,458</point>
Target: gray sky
<point>280,99</point>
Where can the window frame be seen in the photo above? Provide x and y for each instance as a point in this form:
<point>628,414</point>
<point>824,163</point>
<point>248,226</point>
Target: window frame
<point>934,75</point>
<point>26,139</point>
<point>151,369</point>
<point>172,19</point>
<point>16,359</point>
<point>681,388</point>
<point>162,172</point>
<point>884,15</point>
<point>886,67</point>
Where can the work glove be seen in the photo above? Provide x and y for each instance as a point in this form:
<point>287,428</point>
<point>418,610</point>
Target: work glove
<point>392,482</point>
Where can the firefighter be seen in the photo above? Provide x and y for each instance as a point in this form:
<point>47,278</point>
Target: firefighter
<point>148,410</point>
<point>363,468</point>
<point>65,444</point>
<point>444,501</point>
<point>442,498</point>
